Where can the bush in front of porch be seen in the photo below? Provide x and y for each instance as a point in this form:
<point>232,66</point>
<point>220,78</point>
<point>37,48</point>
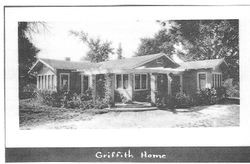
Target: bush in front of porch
<point>182,100</point>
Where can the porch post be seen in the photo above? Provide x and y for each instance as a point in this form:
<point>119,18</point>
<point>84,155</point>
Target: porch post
<point>153,80</point>
<point>92,81</point>
<point>112,76</point>
<point>169,84</point>
<point>37,82</point>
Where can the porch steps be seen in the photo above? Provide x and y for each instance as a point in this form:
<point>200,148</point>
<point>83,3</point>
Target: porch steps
<point>134,106</point>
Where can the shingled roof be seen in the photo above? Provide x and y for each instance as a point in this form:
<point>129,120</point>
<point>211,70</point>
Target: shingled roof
<point>130,63</point>
<point>127,63</point>
<point>201,64</point>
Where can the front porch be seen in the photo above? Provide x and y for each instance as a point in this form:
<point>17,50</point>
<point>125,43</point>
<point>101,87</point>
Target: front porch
<point>136,85</point>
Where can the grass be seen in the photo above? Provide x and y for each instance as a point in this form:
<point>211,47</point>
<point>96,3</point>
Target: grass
<point>33,115</point>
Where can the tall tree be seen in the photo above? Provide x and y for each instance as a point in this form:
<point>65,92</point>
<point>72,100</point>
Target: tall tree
<point>213,39</point>
<point>119,52</point>
<point>163,41</point>
<point>201,39</point>
<point>98,50</point>
<point>26,52</point>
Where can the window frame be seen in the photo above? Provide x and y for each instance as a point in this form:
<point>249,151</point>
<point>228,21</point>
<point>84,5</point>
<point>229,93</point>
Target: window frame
<point>181,81</point>
<point>82,76</point>
<point>60,80</point>
<point>141,89</point>
<point>122,83</point>
<point>198,80</point>
<point>219,78</point>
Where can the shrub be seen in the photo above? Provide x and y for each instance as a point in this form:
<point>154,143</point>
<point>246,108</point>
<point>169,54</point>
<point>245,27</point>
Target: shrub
<point>180,100</point>
<point>28,91</point>
<point>50,98</point>
<point>183,100</point>
<point>108,90</point>
<point>232,90</point>
<point>209,96</point>
<point>205,96</point>
<point>100,104</point>
<point>87,95</point>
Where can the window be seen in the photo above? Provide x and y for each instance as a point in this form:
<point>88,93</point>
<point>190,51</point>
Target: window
<point>64,81</point>
<point>125,81</point>
<point>202,80</point>
<point>118,81</point>
<point>140,81</point>
<point>217,78</point>
<point>85,83</point>
<point>122,81</point>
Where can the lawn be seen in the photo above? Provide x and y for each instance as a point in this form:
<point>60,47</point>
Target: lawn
<point>34,116</point>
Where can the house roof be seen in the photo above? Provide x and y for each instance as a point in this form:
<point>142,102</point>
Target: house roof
<point>123,64</point>
<point>201,64</point>
<point>130,63</point>
<point>62,64</point>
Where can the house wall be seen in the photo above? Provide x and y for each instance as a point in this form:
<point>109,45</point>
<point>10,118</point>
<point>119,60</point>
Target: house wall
<point>190,79</point>
<point>42,72</point>
<point>75,80</point>
<point>140,95</point>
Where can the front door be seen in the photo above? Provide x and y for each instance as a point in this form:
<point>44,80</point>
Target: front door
<point>162,84</point>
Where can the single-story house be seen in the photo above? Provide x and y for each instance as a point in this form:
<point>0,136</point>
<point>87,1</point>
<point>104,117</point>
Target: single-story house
<point>136,78</point>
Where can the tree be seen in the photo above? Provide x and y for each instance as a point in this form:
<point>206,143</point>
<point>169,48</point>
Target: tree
<point>201,39</point>
<point>119,52</point>
<point>163,41</point>
<point>213,39</point>
<point>99,50</point>
<point>26,51</point>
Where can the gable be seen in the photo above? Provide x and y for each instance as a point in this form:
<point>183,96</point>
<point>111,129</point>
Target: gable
<point>162,61</point>
<point>44,70</point>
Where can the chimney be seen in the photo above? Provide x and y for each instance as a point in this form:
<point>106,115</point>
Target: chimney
<point>67,58</point>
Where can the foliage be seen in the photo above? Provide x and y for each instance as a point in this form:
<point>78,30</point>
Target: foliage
<point>26,55</point>
<point>183,100</point>
<point>163,41</point>
<point>28,91</point>
<point>232,90</point>
<point>119,52</point>
<point>199,40</point>
<point>87,95</point>
<point>98,50</point>
<point>70,100</point>
<point>108,90</point>
<point>180,100</point>
<point>206,96</point>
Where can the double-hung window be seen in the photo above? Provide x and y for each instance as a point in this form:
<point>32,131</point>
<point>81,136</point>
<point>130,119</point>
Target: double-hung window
<point>85,83</point>
<point>202,80</point>
<point>140,81</point>
<point>122,81</point>
<point>64,81</point>
<point>217,78</point>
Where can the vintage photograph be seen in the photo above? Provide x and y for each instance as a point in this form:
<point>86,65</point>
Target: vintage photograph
<point>131,73</point>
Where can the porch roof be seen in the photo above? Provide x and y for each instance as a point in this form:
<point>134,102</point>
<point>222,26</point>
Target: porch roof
<point>136,70</point>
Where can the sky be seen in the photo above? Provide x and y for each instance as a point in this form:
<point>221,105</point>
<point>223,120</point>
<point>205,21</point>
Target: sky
<point>57,43</point>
